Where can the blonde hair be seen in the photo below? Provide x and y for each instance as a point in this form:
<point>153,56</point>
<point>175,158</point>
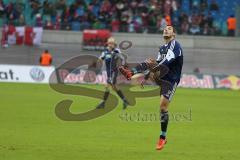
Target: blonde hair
<point>111,40</point>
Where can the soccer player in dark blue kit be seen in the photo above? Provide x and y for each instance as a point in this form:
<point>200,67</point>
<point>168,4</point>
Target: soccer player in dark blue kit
<point>166,71</point>
<point>111,56</point>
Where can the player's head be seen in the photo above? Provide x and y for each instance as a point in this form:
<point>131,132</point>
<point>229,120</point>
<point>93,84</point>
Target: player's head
<point>111,43</point>
<point>169,32</point>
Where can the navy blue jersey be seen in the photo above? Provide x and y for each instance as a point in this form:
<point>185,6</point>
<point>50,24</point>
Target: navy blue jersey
<point>171,55</point>
<point>111,59</point>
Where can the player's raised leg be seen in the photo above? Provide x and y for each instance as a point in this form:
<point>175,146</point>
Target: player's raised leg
<point>141,67</point>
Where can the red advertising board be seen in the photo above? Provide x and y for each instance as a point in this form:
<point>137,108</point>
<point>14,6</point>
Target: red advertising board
<point>95,39</point>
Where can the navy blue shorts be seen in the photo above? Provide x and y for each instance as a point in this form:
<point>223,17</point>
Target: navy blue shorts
<point>167,88</point>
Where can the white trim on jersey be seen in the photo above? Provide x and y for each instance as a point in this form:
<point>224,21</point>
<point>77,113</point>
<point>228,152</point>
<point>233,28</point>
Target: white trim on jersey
<point>180,52</point>
<point>159,56</point>
<point>172,45</point>
<point>173,91</point>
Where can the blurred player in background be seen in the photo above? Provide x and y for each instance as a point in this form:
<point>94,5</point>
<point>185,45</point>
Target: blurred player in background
<point>111,56</point>
<point>166,72</point>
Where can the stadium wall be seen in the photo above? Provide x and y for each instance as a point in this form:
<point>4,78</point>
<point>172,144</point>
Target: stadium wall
<point>148,40</point>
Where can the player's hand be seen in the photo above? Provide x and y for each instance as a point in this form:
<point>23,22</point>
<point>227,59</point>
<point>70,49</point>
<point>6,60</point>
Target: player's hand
<point>155,68</point>
<point>99,60</point>
<point>152,63</point>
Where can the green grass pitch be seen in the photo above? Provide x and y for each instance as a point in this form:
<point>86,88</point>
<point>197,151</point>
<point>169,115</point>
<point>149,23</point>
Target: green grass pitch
<point>30,130</point>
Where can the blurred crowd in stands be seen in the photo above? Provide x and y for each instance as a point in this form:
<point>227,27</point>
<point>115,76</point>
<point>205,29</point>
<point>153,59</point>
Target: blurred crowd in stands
<point>139,16</point>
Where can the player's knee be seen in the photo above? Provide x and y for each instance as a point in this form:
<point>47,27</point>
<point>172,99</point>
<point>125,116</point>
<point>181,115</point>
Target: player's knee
<point>163,107</point>
<point>164,103</point>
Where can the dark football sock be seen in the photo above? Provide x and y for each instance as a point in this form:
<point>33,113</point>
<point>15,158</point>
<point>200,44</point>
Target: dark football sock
<point>164,123</point>
<point>120,94</point>
<point>140,68</point>
<point>106,94</point>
